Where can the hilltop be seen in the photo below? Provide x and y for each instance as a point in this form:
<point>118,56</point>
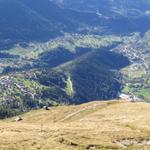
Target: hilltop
<point>96,125</point>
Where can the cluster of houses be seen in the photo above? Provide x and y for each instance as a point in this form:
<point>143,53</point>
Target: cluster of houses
<point>128,97</point>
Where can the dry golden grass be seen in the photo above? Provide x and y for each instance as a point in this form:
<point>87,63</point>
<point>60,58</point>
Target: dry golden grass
<point>113,125</point>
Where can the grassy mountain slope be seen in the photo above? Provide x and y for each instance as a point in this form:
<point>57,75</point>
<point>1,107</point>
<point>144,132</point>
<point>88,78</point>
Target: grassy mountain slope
<point>95,125</point>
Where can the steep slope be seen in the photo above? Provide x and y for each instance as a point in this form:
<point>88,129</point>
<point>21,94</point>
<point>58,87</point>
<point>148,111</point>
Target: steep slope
<point>108,7</point>
<point>20,23</point>
<point>95,125</point>
<point>116,17</point>
<point>91,76</point>
<point>27,21</point>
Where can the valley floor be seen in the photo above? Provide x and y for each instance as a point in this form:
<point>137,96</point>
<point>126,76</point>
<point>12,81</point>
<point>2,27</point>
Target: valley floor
<point>96,125</point>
